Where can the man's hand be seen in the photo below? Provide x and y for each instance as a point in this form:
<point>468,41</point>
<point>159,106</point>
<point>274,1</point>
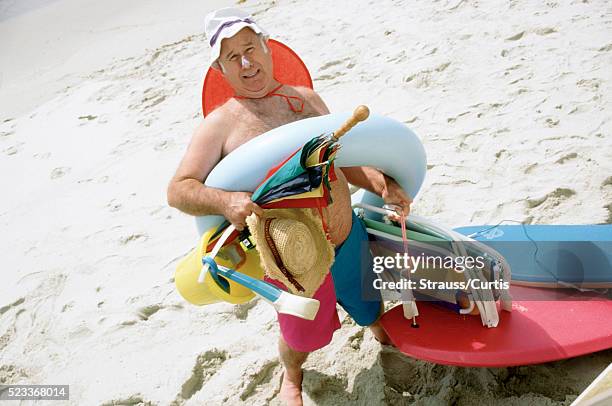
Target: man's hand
<point>238,207</point>
<point>394,195</point>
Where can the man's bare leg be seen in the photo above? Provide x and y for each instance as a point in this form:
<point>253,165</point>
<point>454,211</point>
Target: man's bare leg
<point>378,331</point>
<point>291,387</point>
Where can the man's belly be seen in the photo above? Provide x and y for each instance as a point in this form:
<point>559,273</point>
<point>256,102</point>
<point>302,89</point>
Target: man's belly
<point>338,215</point>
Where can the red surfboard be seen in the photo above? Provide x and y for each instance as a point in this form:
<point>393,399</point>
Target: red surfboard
<point>551,328</point>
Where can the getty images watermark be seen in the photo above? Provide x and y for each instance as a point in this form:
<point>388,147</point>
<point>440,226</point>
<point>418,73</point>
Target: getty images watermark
<point>424,263</point>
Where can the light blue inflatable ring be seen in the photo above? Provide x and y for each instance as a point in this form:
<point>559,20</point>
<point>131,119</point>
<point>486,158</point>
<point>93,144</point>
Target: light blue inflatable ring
<point>380,142</point>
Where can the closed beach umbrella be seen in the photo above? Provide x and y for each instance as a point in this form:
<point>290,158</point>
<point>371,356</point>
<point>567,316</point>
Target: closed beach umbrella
<point>303,179</point>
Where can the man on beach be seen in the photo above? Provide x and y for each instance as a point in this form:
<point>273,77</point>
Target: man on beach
<point>240,52</point>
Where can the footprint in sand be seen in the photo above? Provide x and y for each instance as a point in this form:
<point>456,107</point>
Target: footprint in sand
<point>321,387</point>
<point>262,375</point>
<point>206,365</point>
<point>606,48</point>
<point>566,158</point>
<point>399,57</point>
<point>241,311</point>
<point>12,150</point>
<point>545,30</point>
<point>80,331</point>
<point>163,145</point>
<point>113,205</point>
<point>333,63</point>
<point>516,37</point>
<point>59,172</point>
<point>16,303</point>
<point>133,237</point>
<point>88,117</point>
<point>589,84</point>
<point>451,120</point>
<point>499,154</point>
<point>424,78</point>
<point>146,122</point>
<point>8,335</point>
<point>551,122</point>
<point>356,339</point>
<point>68,306</point>
<point>152,97</point>
<point>552,199</point>
<point>512,68</point>
<point>10,373</point>
<point>337,70</point>
<point>144,313</point>
<point>11,330</point>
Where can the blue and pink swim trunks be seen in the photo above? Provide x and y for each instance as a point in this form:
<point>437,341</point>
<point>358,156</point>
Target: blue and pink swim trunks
<point>348,283</point>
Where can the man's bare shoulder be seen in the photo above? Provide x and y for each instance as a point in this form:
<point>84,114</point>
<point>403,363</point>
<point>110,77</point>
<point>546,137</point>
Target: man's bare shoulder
<point>306,91</point>
<point>218,120</point>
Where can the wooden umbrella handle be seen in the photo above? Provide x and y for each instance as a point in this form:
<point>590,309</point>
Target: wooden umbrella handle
<point>361,113</point>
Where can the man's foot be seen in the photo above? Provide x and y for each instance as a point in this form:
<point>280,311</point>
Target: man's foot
<point>291,390</point>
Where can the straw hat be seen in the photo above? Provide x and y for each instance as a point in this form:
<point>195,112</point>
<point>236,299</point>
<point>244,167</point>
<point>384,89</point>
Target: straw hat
<point>293,248</point>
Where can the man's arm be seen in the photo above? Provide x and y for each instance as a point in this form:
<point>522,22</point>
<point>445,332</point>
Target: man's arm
<point>186,191</point>
<point>366,177</point>
<point>375,181</point>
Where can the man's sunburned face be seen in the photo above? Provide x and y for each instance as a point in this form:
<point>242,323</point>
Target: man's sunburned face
<point>246,64</point>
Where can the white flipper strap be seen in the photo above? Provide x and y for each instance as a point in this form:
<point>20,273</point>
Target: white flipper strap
<point>228,231</point>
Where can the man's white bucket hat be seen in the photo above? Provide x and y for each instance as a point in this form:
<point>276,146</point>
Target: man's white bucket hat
<point>225,23</point>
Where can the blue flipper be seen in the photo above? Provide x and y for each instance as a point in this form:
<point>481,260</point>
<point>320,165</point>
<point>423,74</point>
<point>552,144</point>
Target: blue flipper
<point>283,302</point>
<point>262,288</point>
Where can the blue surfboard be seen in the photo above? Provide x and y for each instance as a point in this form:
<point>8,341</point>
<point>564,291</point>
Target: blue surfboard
<point>552,255</point>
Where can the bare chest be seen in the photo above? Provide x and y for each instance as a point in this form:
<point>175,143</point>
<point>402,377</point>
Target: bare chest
<point>253,119</point>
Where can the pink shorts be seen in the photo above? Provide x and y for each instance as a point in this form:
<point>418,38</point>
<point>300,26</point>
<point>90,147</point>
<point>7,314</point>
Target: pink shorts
<point>309,335</point>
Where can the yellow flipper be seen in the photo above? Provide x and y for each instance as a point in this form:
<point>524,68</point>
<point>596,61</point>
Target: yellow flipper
<point>234,256</point>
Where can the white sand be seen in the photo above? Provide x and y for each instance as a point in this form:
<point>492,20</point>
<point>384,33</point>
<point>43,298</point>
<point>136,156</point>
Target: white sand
<point>97,104</point>
<point>48,45</point>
